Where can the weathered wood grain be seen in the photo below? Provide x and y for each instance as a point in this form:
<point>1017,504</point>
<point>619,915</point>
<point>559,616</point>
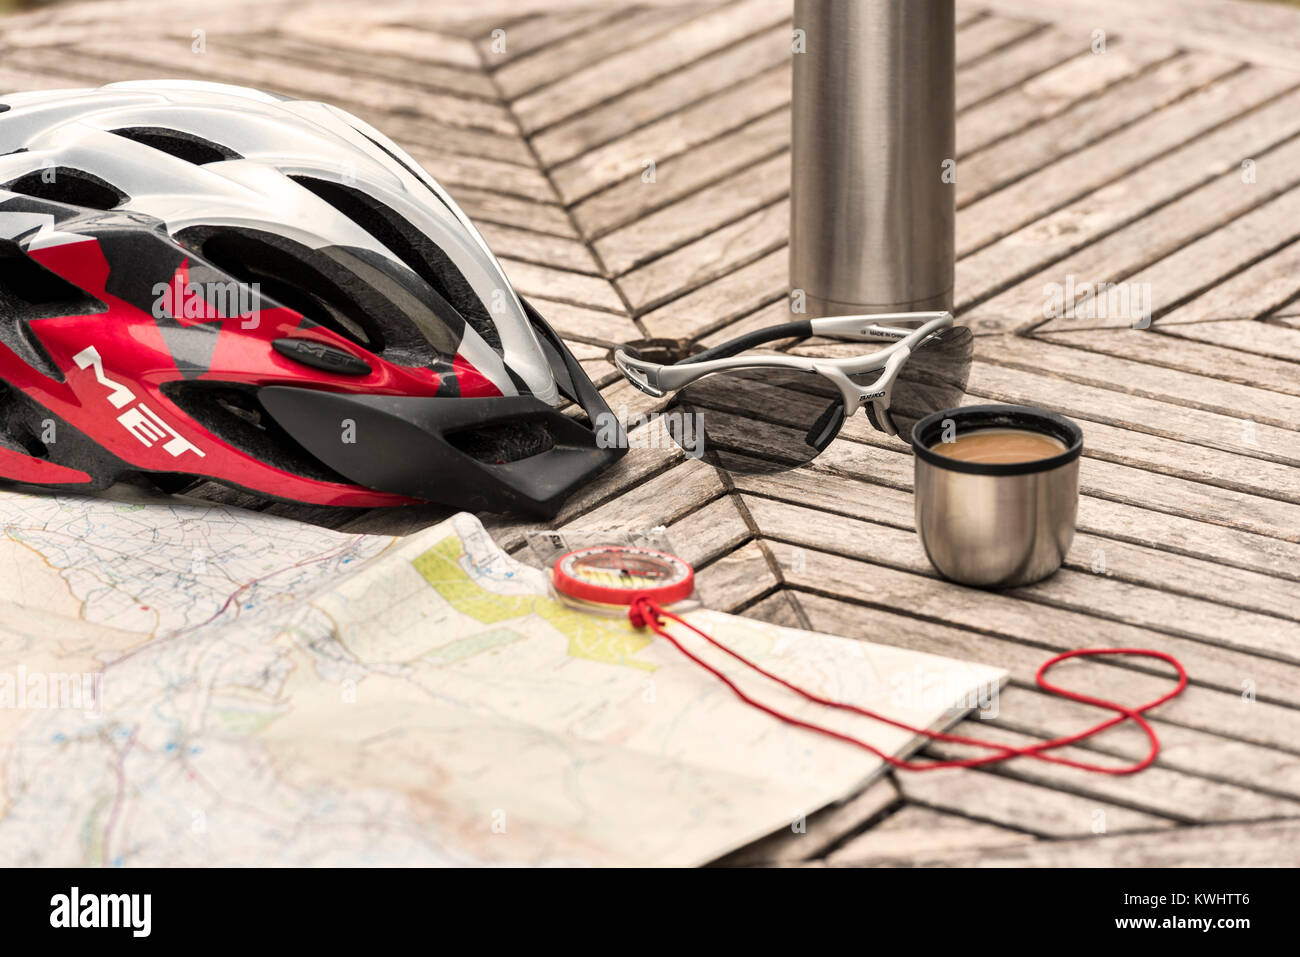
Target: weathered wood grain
<point>734,295</point>
<point>1233,845</point>
<point>546,282</point>
<point>1040,811</point>
<point>1076,173</point>
<point>916,832</point>
<point>865,495</point>
<point>987,35</point>
<point>590,85</point>
<point>1190,356</point>
<point>1196,718</point>
<point>1125,225</point>
<point>714,255</point>
<point>1256,291</point>
<point>737,579</point>
<point>1157,790</point>
<point>702,214</point>
<point>539,249</point>
<point>1077,595</point>
<point>646,119</point>
<point>819,831</point>
<point>1245,335</point>
<point>537,31</point>
<point>671,136</point>
<point>581,47</point>
<point>1035,53</point>
<point>681,175</point>
<point>1140,377</point>
<point>1199,265</point>
<point>1073,82</point>
<point>1263,33</point>
<point>1088,122</point>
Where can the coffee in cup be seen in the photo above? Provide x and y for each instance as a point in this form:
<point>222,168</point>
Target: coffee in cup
<point>997,491</point>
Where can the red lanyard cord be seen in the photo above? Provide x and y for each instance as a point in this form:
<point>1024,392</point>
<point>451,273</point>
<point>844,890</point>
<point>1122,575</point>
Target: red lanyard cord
<point>645,613</point>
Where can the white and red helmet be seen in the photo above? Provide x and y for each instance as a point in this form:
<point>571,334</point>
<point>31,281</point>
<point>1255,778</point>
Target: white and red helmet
<point>205,281</point>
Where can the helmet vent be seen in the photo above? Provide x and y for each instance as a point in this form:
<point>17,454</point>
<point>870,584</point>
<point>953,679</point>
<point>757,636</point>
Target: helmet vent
<point>420,254</point>
<point>28,292</point>
<point>16,431</point>
<point>504,442</point>
<point>72,187</point>
<point>288,274</point>
<point>184,146</point>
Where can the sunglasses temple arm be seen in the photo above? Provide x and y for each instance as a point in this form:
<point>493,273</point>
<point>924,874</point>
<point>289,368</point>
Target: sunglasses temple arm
<point>874,327</point>
<point>787,330</point>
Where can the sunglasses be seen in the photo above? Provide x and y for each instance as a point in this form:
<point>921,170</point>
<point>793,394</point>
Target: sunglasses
<point>771,412</point>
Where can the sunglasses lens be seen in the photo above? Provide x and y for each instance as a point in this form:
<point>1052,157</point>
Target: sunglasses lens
<point>757,420</point>
<point>933,378</point>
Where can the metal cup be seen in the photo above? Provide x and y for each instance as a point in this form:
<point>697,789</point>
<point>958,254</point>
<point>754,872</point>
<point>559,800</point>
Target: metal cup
<point>996,526</point>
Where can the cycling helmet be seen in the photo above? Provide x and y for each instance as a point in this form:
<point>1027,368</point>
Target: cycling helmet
<point>200,281</point>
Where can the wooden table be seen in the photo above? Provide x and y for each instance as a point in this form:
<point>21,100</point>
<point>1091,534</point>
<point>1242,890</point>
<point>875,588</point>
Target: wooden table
<point>1169,158</point>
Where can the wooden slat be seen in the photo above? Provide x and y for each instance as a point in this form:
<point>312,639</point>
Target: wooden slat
<point>680,175</point>
<point>821,830</point>
<point>1253,845</point>
<point>1138,414</point>
<point>1265,339</point>
<point>737,579</point>
<point>603,80</point>
<point>917,832</point>
<point>671,136</point>
<point>1077,173</point>
<point>1040,811</point>
<point>1201,178</point>
<point>578,322</point>
<point>1197,716</point>
<point>1073,82</point>
<point>418,58</point>
<point>538,31</point>
<point>1188,355</point>
<point>226,63</point>
<point>1067,598</point>
<point>714,255</point>
<point>377,40</point>
<point>757,188</point>
<point>1038,52</point>
<point>610,36</point>
<point>1265,33</point>
<point>1256,291</point>
<point>719,79</point>
<point>1087,122</point>
<point>595,292</point>
<point>1157,790</point>
<point>539,249</point>
<point>1141,563</point>
<point>713,306</point>
<point>484,173</point>
<point>1136,377</point>
<point>483,205</point>
<point>990,34</point>
<point>1200,264</point>
<point>1205,754</point>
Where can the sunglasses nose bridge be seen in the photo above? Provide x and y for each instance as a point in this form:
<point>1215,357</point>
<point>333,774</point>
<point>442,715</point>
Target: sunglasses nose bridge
<point>850,391</point>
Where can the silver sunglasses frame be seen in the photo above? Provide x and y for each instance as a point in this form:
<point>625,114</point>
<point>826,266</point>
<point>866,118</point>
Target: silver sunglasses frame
<point>658,379</point>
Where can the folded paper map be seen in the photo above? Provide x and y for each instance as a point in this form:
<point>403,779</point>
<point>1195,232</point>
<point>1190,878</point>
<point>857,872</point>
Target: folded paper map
<point>188,684</point>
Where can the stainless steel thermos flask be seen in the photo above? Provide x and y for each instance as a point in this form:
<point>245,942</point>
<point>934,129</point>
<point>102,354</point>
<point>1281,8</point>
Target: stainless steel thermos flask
<point>871,219</point>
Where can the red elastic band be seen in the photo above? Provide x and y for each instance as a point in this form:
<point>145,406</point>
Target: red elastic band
<point>645,613</point>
